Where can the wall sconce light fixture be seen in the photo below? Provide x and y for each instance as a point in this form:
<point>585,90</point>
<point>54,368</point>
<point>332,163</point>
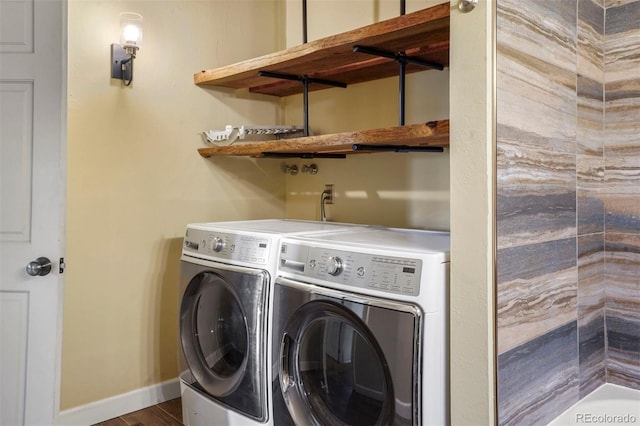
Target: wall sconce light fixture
<point>123,54</point>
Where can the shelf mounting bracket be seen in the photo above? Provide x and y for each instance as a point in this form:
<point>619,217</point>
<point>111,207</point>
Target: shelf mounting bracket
<point>306,81</point>
<point>396,148</point>
<point>402,59</point>
<point>306,155</point>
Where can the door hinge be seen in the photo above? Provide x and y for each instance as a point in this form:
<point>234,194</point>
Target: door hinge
<point>62,265</point>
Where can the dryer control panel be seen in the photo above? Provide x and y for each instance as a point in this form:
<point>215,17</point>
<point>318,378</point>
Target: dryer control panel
<point>397,275</point>
<point>226,246</point>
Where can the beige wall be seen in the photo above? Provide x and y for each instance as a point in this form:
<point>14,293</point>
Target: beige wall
<point>391,189</point>
<point>404,190</point>
<point>472,293</point>
<point>329,17</point>
<point>135,179</point>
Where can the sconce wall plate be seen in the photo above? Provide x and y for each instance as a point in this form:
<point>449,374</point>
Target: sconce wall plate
<point>121,63</point>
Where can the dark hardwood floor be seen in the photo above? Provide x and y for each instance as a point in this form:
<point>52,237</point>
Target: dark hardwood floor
<point>168,413</point>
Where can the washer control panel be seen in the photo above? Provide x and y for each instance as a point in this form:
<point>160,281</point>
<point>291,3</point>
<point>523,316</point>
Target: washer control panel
<point>220,245</point>
<point>398,275</point>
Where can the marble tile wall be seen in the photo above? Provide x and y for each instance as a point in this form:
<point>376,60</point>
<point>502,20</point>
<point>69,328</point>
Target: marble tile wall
<point>550,206</point>
<point>536,121</point>
<point>568,203</point>
<point>590,182</point>
<point>591,313</point>
<point>538,378</point>
<point>622,194</point>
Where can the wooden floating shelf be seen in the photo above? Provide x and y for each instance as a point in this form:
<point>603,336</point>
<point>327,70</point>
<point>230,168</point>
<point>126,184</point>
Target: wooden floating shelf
<point>423,35</point>
<point>432,134</point>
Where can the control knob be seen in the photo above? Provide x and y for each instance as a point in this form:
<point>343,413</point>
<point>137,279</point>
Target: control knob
<point>217,244</point>
<point>334,266</point>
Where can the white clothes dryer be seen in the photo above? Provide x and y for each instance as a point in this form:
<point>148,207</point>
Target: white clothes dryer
<point>360,329</point>
<point>226,273</point>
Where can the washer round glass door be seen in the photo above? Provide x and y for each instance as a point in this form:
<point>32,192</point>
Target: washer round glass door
<point>333,370</point>
<point>214,334</point>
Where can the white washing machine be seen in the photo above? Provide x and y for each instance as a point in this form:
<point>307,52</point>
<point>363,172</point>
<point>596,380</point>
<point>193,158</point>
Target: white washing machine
<point>360,329</point>
<point>225,293</point>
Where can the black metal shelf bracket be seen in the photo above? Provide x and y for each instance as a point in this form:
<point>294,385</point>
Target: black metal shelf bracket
<point>399,57</point>
<point>306,81</point>
<point>396,148</point>
<point>402,59</point>
<point>301,155</point>
<point>301,78</point>
<point>304,21</point>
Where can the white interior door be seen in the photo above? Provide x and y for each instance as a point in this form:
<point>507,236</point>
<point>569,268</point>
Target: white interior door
<point>32,172</point>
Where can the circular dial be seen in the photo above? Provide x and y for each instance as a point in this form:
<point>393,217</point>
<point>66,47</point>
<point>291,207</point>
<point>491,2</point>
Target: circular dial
<point>334,265</point>
<point>217,244</point>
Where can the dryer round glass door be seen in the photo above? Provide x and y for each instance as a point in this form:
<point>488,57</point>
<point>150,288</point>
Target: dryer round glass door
<point>213,332</point>
<point>333,370</point>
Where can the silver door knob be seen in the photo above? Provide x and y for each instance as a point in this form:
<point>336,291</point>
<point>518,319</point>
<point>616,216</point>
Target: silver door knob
<point>39,267</point>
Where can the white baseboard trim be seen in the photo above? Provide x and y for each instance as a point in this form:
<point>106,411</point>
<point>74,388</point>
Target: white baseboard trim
<point>115,406</point>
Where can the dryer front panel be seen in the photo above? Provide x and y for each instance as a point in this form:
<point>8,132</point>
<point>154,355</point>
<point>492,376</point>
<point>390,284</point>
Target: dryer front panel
<point>222,322</point>
<point>344,360</point>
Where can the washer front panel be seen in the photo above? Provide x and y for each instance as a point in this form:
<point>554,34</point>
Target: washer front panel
<point>344,359</point>
<point>389,274</point>
<point>227,246</point>
<point>223,322</point>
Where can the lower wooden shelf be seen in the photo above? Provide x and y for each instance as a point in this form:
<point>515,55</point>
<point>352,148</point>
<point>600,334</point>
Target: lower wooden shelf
<point>434,134</point>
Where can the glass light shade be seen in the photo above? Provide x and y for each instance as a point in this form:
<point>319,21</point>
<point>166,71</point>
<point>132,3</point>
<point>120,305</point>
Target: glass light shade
<point>131,29</point>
